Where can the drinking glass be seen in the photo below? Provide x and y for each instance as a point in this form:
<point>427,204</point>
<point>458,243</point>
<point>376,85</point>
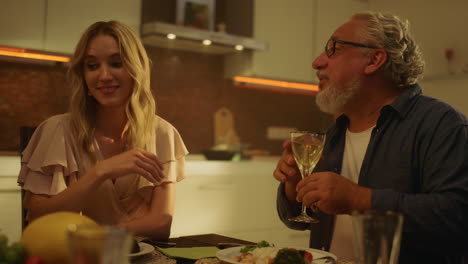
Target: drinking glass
<point>307,148</point>
<point>94,244</point>
<point>377,236</point>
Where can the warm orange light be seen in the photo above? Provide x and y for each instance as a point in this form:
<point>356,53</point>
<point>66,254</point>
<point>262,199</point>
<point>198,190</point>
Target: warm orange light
<point>24,53</point>
<point>276,83</point>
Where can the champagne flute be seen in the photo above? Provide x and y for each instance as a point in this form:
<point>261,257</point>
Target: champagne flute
<point>307,148</point>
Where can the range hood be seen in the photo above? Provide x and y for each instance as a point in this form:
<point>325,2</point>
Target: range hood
<point>172,36</point>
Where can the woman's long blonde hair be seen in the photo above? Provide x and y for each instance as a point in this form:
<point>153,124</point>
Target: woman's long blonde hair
<point>140,108</point>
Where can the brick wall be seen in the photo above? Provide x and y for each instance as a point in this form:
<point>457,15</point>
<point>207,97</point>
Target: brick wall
<point>189,87</point>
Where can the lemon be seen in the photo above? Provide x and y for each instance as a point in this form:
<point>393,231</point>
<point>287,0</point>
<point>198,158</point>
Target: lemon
<point>46,236</point>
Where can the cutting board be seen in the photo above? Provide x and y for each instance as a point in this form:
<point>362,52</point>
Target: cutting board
<point>224,128</point>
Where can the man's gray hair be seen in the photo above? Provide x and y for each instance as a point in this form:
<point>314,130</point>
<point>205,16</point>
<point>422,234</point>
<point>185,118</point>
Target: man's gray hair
<point>405,63</point>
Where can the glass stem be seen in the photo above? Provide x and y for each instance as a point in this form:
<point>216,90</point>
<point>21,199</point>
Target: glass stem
<point>304,173</point>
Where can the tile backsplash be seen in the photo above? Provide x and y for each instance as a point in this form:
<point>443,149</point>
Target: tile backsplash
<point>188,87</point>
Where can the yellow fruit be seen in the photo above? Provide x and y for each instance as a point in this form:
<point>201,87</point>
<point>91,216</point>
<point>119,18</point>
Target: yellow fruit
<point>46,236</point>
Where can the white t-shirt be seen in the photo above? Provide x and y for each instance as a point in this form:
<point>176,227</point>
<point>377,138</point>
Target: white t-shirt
<point>354,152</point>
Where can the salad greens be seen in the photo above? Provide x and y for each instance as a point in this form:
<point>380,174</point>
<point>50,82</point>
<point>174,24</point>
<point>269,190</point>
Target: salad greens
<point>260,244</point>
<point>15,253</point>
<point>288,256</point>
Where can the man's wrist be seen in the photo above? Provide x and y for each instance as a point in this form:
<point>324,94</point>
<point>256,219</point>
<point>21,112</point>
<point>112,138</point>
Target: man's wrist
<point>362,199</point>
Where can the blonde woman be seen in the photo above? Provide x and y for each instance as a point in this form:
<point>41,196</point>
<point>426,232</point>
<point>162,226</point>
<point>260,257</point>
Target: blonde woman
<point>110,157</point>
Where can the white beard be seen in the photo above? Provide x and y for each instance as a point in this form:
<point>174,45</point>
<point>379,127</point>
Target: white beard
<point>333,99</point>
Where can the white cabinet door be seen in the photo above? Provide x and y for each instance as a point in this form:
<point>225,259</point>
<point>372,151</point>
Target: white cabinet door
<point>10,204</point>
<point>296,32</point>
<point>436,26</point>
<point>56,25</point>
<point>22,23</point>
<point>10,222</point>
<point>288,28</point>
<point>204,204</point>
<point>332,14</point>
<point>67,19</point>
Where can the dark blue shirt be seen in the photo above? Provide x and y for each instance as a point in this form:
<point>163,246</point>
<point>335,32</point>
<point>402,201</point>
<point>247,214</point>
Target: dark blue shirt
<point>416,163</point>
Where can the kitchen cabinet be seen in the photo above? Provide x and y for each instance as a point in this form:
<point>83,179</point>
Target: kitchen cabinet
<point>295,32</point>
<point>330,15</point>
<point>288,29</point>
<point>66,20</point>
<point>22,23</point>
<point>434,36</point>
<point>436,27</point>
<point>10,204</point>
<point>450,89</point>
<point>56,25</point>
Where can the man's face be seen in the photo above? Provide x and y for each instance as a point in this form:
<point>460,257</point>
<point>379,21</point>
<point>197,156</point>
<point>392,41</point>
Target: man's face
<point>340,75</point>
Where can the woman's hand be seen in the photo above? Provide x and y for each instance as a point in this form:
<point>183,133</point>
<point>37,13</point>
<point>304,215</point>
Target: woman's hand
<point>136,161</point>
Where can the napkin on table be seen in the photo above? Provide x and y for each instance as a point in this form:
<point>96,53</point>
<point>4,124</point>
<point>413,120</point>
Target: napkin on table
<point>190,253</point>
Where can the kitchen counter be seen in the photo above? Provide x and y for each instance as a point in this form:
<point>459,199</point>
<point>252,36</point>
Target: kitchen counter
<point>10,163</point>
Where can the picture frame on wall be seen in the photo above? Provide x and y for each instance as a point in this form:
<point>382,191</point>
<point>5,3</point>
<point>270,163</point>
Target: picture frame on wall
<point>196,13</point>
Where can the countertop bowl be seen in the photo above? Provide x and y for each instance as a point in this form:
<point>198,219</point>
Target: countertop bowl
<point>211,154</point>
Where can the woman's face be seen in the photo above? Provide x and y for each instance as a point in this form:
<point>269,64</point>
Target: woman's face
<point>106,77</point>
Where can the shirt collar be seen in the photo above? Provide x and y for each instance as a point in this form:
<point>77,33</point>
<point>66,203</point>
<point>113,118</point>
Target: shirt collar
<point>405,101</point>
<point>401,105</point>
<point>342,121</point>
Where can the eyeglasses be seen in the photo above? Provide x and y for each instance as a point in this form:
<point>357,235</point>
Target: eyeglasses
<point>331,46</point>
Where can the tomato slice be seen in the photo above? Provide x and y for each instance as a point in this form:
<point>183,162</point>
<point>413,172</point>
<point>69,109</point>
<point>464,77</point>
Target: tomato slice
<point>34,260</point>
<point>308,257</point>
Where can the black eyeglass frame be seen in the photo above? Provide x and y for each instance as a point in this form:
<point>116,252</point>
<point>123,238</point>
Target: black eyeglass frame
<point>344,42</point>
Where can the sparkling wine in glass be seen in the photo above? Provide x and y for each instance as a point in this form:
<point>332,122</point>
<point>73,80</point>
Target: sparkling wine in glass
<point>307,148</point>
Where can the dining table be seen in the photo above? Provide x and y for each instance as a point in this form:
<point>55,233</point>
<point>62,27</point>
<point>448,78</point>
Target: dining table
<point>201,240</point>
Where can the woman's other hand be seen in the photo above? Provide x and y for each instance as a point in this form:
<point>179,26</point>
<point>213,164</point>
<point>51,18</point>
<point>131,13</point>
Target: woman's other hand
<point>136,161</point>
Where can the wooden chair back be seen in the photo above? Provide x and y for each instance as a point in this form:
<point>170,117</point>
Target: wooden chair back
<point>26,133</point>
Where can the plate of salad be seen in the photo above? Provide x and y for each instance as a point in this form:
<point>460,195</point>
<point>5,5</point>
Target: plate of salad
<point>264,253</point>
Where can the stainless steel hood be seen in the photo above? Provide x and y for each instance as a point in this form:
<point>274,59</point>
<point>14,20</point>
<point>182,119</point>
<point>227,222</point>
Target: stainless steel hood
<point>187,38</point>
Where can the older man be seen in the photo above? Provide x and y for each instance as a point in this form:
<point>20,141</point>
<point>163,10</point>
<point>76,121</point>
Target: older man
<point>391,148</point>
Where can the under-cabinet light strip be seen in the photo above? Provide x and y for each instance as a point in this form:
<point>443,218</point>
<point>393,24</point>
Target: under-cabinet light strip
<point>24,53</point>
<point>275,83</point>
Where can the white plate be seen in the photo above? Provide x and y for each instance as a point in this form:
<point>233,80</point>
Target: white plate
<point>144,249</point>
<point>227,254</point>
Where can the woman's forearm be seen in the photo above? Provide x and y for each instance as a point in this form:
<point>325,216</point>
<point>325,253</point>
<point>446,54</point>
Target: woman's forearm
<point>156,223</point>
<point>147,226</point>
<point>73,198</point>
